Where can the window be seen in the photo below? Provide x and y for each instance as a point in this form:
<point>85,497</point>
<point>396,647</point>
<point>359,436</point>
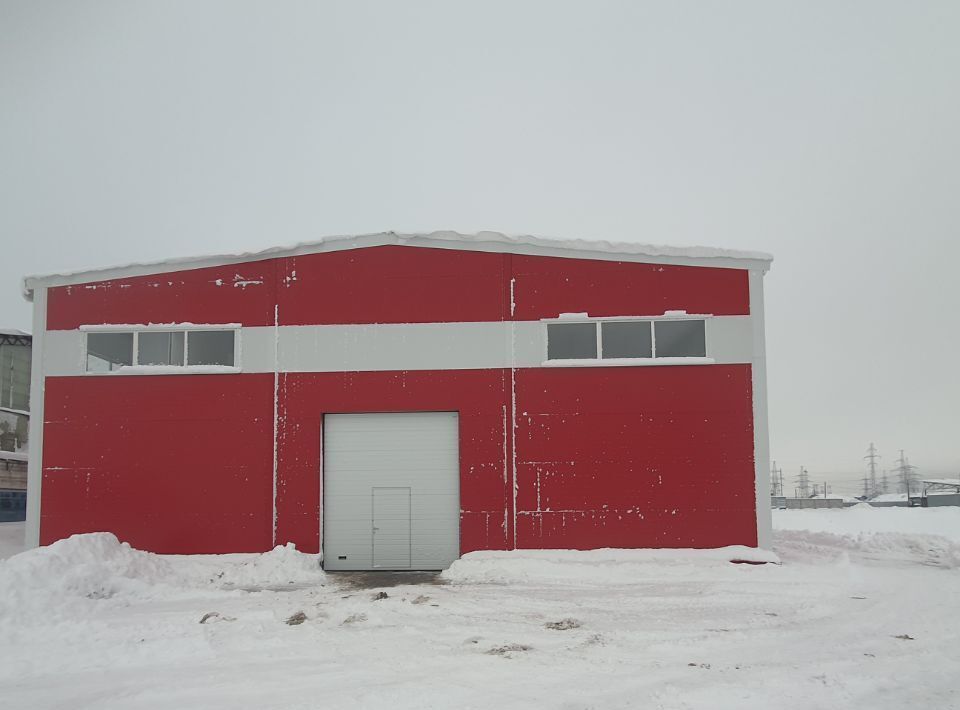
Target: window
<point>210,347</point>
<point>160,348</point>
<point>14,373</point>
<point>571,341</point>
<point>680,338</point>
<point>627,339</point>
<point>111,351</point>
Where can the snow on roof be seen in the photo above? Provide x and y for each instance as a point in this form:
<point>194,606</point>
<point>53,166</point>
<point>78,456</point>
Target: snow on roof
<point>942,481</point>
<point>14,332</point>
<point>480,241</point>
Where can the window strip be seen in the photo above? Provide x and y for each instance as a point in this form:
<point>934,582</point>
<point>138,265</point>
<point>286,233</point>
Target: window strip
<point>174,331</point>
<point>652,323</point>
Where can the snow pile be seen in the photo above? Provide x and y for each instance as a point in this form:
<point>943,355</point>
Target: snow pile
<point>933,550</point>
<point>864,518</point>
<point>591,567</point>
<point>890,498</point>
<point>284,565</point>
<point>929,535</point>
<point>831,496</point>
<point>11,539</point>
<point>96,566</point>
<point>93,566</point>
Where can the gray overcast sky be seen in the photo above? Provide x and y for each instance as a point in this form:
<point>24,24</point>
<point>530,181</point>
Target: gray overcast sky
<point>827,133</point>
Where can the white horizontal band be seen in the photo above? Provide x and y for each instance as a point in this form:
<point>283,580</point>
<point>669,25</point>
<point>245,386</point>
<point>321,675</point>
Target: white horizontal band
<point>402,346</point>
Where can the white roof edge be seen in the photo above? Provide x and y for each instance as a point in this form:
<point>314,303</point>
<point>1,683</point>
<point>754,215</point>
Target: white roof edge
<point>480,241</point>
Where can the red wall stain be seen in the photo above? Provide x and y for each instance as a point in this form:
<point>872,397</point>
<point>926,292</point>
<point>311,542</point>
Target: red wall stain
<point>394,284</point>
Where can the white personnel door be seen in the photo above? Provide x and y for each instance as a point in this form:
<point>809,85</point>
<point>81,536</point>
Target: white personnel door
<point>391,491</point>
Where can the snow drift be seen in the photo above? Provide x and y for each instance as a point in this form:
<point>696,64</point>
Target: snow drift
<point>592,567</point>
<point>864,518</point>
<point>96,566</point>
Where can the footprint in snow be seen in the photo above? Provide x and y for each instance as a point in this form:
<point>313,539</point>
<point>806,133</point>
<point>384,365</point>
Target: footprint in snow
<point>296,619</point>
<point>508,649</point>
<point>212,616</point>
<point>563,624</point>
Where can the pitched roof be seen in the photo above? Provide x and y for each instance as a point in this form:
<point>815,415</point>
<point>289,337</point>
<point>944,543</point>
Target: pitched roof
<point>480,241</point>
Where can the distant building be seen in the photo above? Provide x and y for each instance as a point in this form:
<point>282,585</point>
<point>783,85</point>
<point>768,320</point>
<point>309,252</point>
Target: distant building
<point>940,491</point>
<point>15,357</point>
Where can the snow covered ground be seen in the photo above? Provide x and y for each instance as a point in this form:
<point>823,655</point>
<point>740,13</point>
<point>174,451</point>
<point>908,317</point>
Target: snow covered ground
<point>861,614</point>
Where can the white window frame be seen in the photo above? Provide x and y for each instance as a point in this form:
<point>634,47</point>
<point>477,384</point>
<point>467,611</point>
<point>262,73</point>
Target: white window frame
<point>185,369</point>
<point>599,361</point>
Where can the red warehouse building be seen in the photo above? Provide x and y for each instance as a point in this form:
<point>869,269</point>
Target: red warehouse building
<point>395,401</point>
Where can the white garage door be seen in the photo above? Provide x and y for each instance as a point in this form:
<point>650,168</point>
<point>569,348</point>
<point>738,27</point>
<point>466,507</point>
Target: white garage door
<point>391,491</point>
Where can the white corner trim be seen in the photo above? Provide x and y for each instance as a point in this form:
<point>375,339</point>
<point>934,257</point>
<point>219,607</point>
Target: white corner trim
<point>761,432</point>
<point>37,385</point>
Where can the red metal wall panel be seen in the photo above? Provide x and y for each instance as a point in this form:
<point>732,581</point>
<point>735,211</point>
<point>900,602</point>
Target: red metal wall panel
<point>635,457</point>
<point>394,284</point>
<point>547,286</point>
<point>606,457</point>
<point>176,464</point>
<point>242,293</point>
